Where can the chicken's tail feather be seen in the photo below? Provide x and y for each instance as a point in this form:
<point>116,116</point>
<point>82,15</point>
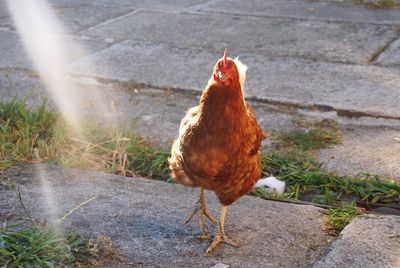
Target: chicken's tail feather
<point>176,166</point>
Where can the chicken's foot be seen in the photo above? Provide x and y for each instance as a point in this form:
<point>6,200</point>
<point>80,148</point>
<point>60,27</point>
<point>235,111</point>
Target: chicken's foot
<point>221,236</point>
<point>203,211</point>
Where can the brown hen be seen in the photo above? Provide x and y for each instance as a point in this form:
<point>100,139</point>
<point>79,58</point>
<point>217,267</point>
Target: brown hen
<point>218,144</point>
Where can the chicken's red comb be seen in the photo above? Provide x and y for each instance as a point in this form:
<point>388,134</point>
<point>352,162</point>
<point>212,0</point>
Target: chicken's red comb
<point>226,57</point>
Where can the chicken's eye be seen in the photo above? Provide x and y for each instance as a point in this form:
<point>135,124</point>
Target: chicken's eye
<point>221,76</point>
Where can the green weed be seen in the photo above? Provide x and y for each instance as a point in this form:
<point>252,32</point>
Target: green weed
<point>311,135</point>
<point>291,193</point>
<point>22,130</point>
<point>311,178</point>
<point>385,4</point>
<point>339,218</point>
<point>40,247</point>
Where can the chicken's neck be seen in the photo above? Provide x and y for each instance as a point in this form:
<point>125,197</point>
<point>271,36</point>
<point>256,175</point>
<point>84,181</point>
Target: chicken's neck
<point>222,108</point>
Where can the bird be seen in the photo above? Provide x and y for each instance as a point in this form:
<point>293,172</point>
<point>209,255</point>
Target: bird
<point>218,144</point>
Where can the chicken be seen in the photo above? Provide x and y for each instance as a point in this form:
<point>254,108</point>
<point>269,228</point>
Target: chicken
<point>218,144</point>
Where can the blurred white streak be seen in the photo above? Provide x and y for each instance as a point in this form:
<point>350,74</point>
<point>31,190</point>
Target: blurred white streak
<point>47,45</point>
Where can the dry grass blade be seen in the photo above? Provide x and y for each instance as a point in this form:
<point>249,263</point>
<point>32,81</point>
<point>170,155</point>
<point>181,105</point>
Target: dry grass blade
<point>33,222</point>
<point>74,209</point>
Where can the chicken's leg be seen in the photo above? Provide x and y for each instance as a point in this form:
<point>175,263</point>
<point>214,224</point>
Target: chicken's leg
<point>221,236</point>
<point>202,209</point>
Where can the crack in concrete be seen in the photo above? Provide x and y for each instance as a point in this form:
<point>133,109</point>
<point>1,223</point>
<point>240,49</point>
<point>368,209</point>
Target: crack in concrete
<point>106,22</point>
<point>324,108</point>
<point>285,103</point>
<point>375,56</point>
<point>287,17</point>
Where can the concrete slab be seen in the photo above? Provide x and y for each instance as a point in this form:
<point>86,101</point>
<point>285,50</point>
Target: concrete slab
<point>13,52</point>
<point>6,24</point>
<point>22,85</point>
<point>77,16</point>
<point>346,11</point>
<point>369,241</point>
<point>145,218</point>
<point>327,41</point>
<point>74,16</point>
<point>365,150</point>
<point>148,4</point>
<point>390,56</point>
<point>3,11</point>
<point>338,1</point>
<point>348,89</point>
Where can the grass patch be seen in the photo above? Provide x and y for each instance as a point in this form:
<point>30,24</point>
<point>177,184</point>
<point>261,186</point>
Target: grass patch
<point>311,135</point>
<point>6,183</point>
<point>292,159</point>
<point>380,4</point>
<point>119,151</point>
<point>41,247</point>
<point>293,193</point>
<point>22,130</point>
<point>42,135</point>
<point>311,179</point>
<point>338,218</point>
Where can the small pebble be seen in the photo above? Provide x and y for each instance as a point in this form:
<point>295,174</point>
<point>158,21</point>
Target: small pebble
<point>220,265</point>
<point>109,40</point>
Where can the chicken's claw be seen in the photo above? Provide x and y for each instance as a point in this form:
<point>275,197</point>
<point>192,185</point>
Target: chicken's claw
<point>203,211</point>
<point>221,236</point>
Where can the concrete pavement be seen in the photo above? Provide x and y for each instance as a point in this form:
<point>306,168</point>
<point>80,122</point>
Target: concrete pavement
<point>145,219</point>
<point>149,61</point>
